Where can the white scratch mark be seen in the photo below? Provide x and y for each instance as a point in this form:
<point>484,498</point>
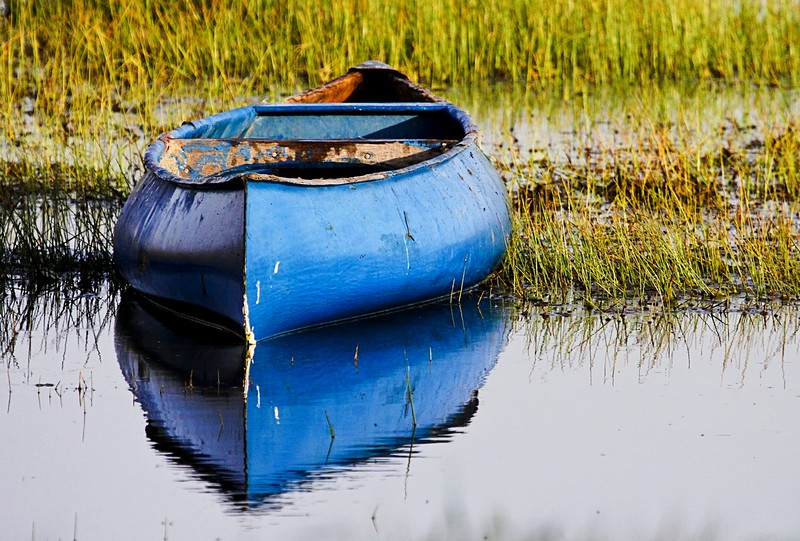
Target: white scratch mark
<point>258,397</point>
<point>277,415</point>
<point>258,291</point>
<point>277,264</point>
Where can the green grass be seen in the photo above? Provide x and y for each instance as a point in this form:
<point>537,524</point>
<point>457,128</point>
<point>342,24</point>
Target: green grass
<point>662,219</point>
<point>670,202</point>
<point>154,45</point>
<point>87,83</point>
<point>75,65</point>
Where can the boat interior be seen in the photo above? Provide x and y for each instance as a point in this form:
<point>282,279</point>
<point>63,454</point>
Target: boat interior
<point>368,121</point>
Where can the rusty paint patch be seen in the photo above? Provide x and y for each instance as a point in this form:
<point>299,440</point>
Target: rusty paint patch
<point>195,159</point>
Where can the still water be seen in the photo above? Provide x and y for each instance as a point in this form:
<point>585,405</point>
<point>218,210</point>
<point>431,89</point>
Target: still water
<point>484,420</point>
<point>445,422</point>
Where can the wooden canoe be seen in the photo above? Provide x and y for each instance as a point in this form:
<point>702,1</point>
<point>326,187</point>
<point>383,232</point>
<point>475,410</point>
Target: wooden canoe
<point>360,196</point>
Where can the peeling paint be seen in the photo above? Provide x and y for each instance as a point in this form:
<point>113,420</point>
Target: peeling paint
<point>248,360</point>
<point>210,161</point>
<point>249,335</point>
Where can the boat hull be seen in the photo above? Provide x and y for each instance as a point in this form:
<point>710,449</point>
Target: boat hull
<point>276,217</point>
<point>186,246</point>
<point>321,254</point>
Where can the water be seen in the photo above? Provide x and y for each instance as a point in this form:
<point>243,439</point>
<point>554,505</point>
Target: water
<point>485,420</point>
<point>567,426</point>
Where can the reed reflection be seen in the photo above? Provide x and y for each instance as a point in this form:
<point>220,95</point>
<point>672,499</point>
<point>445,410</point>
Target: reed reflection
<point>315,401</point>
<point>733,341</point>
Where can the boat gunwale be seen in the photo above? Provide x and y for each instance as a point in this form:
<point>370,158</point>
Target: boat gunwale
<point>156,150</point>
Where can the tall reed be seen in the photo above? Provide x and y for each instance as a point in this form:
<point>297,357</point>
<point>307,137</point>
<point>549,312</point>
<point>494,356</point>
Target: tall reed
<point>86,84</point>
<point>663,220</point>
<point>76,71</point>
<point>152,45</point>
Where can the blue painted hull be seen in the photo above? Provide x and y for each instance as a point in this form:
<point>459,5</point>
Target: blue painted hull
<point>353,379</point>
<point>281,217</point>
<point>356,249</point>
<point>184,245</point>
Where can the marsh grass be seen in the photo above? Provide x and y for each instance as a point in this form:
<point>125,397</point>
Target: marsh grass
<point>661,219</point>
<point>51,240</point>
<point>89,83</point>
<point>76,72</point>
<point>237,45</point>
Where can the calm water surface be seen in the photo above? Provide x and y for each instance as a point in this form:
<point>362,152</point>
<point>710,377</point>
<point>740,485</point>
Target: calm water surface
<point>565,426</point>
<point>452,422</point>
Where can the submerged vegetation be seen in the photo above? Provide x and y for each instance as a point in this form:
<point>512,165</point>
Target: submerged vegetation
<point>665,210</point>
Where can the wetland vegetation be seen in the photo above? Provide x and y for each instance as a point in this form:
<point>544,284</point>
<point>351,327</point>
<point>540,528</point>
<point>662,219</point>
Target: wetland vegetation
<point>658,201</point>
<point>649,297</point>
<point>663,210</point>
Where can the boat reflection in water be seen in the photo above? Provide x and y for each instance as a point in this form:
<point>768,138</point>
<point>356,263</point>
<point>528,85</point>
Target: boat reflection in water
<point>315,401</point>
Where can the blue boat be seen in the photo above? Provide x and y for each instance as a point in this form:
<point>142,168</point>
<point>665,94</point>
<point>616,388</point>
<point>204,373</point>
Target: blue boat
<point>360,196</point>
<point>313,402</point>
